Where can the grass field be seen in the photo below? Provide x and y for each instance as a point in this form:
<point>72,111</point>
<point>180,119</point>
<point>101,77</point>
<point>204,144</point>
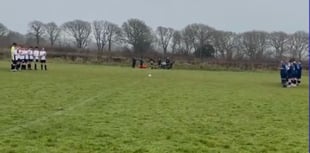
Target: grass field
<point>98,109</point>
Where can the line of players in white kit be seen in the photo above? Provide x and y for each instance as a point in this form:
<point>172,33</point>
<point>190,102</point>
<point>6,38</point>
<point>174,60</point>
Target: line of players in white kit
<point>23,58</point>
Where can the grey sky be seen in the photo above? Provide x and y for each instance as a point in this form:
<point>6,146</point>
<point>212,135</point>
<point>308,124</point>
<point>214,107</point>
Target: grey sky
<point>230,15</point>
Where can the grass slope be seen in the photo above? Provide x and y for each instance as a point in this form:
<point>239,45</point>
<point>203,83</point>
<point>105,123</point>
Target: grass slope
<point>95,109</point>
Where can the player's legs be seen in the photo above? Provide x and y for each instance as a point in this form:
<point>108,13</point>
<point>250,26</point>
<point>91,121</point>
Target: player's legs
<point>26,64</point>
<point>43,65</point>
<point>18,64</point>
<point>35,64</point>
<point>29,64</point>
<point>294,82</point>
<point>290,80</point>
<point>23,67</point>
<point>284,82</point>
<point>13,65</point>
<point>289,83</point>
<point>298,79</point>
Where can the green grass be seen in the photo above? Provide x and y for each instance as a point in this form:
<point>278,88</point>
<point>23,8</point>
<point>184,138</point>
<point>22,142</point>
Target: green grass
<point>100,109</point>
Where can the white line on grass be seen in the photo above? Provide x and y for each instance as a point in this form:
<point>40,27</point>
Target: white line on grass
<point>46,117</point>
<point>57,113</point>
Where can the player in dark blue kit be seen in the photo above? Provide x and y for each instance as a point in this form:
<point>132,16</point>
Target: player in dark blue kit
<point>283,74</point>
<point>295,73</point>
<point>299,72</point>
<point>290,74</point>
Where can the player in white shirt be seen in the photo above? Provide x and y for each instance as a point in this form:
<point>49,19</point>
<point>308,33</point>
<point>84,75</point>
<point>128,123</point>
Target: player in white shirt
<point>43,59</point>
<point>18,58</point>
<point>30,57</point>
<point>24,58</point>
<point>36,54</point>
<point>13,52</point>
<point>15,58</point>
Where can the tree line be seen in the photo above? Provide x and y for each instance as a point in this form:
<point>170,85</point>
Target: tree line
<point>198,40</point>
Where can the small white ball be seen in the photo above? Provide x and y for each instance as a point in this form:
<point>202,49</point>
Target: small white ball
<point>150,75</point>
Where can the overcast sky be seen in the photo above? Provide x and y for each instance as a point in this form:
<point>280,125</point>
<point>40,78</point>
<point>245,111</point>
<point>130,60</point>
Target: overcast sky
<point>229,15</point>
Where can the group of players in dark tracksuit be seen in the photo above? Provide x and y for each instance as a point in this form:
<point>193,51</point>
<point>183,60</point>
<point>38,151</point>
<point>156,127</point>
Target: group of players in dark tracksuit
<point>290,73</point>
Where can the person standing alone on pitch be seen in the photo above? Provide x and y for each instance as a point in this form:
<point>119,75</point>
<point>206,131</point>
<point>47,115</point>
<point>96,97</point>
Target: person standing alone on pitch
<point>13,57</point>
<point>159,63</point>
<point>36,57</point>
<point>42,55</point>
<point>134,61</point>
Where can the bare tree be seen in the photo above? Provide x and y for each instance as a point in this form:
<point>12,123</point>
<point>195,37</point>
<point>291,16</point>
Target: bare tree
<point>52,31</point>
<point>3,30</point>
<point>114,34</point>
<point>188,39</point>
<point>278,40</point>
<point>138,34</point>
<point>203,34</point>
<point>79,30</point>
<point>105,33</point>
<point>254,43</point>
<point>197,36</point>
<point>164,36</point>
<point>37,29</point>
<point>225,42</point>
<point>176,43</point>
<point>298,44</point>
<point>238,51</point>
<point>101,34</point>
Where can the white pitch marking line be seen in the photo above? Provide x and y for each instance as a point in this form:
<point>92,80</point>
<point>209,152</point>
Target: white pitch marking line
<point>43,118</point>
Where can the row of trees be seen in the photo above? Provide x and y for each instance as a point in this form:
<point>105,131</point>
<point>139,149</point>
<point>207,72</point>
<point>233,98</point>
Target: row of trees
<point>195,39</point>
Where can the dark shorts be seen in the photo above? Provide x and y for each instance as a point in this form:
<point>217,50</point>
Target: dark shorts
<point>19,60</point>
<point>24,60</point>
<point>283,75</point>
<point>30,60</point>
<point>37,60</point>
<point>290,75</point>
<point>14,62</point>
<point>295,74</point>
<point>43,61</point>
<point>298,75</point>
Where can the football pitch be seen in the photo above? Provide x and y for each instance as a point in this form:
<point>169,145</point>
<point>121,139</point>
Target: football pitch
<point>102,109</point>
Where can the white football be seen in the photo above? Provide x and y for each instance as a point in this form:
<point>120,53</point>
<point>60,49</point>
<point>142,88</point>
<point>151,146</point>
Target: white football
<point>150,75</point>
